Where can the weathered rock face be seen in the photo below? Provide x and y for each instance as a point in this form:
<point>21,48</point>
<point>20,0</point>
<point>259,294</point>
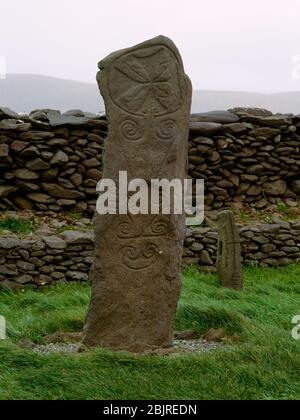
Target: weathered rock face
<point>229,264</point>
<point>136,272</point>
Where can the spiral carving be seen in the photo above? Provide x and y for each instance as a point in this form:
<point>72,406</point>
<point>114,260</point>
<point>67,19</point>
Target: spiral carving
<point>132,129</point>
<point>158,227</point>
<point>166,129</point>
<point>130,253</point>
<point>137,259</point>
<point>124,230</point>
<point>129,230</point>
<point>150,250</point>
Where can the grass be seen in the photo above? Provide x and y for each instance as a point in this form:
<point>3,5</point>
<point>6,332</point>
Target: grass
<point>263,364</point>
<point>282,208</point>
<point>25,226</point>
<point>244,216</point>
<point>17,225</point>
<point>74,216</point>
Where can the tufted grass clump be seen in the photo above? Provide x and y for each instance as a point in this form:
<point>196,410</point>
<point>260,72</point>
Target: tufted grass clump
<point>17,225</point>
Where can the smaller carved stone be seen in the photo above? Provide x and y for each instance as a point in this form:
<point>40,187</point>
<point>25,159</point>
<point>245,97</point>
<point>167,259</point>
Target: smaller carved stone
<point>229,261</point>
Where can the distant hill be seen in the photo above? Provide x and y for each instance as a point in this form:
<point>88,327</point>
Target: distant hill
<point>285,102</point>
<point>25,92</point>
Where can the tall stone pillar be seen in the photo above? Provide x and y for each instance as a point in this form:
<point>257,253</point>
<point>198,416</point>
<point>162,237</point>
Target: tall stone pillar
<point>136,272</point>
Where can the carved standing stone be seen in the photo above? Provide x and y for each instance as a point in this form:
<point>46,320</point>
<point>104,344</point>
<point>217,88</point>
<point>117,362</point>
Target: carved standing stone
<point>229,264</point>
<point>136,272</point>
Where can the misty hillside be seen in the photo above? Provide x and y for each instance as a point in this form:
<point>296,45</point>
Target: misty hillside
<point>25,92</point>
<point>22,92</point>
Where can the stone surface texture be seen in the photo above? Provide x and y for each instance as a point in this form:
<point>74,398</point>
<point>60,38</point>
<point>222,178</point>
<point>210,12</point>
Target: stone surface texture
<point>229,262</point>
<point>136,273</point>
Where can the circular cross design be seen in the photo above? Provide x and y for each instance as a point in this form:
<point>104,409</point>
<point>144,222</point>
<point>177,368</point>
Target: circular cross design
<point>146,82</point>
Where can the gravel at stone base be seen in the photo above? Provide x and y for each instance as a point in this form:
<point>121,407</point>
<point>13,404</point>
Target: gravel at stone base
<point>179,347</point>
<point>48,349</point>
<point>196,346</point>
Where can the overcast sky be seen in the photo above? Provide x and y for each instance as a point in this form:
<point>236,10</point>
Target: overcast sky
<point>225,44</point>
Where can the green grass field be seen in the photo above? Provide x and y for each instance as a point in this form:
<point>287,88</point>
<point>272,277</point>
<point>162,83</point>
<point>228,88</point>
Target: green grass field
<point>264,363</point>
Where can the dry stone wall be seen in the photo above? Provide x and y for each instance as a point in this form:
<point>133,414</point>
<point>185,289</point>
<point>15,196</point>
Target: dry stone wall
<point>250,157</point>
<point>41,260</point>
<point>49,161</point>
<point>44,259</point>
<point>52,161</point>
<point>275,244</point>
